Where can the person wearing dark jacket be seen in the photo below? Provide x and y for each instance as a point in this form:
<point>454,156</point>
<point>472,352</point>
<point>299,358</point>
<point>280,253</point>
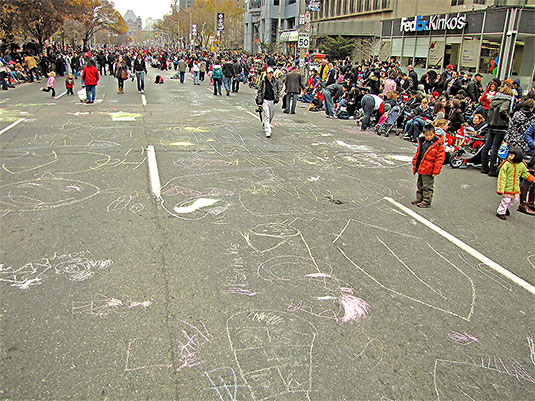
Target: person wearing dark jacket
<point>101,61</point>
<point>267,97</point>
<point>228,74</point>
<point>474,88</point>
<point>414,77</point>
<point>455,116</point>
<point>498,121</point>
<point>236,70</point>
<point>294,86</point>
<point>331,94</point>
<point>420,115</point>
<point>140,70</point>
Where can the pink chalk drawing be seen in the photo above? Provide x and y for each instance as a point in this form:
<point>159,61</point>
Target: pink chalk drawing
<point>462,338</point>
<point>186,347</point>
<point>330,297</point>
<point>102,306</point>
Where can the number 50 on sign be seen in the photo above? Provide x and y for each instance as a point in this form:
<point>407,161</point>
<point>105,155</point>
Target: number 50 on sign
<point>303,41</point>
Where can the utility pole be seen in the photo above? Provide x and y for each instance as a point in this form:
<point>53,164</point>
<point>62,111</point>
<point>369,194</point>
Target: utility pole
<point>279,24</point>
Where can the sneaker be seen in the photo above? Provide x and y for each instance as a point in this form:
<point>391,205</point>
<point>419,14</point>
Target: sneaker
<point>416,201</point>
<point>501,216</point>
<point>286,112</point>
<point>268,135</point>
<point>292,112</point>
<point>423,204</point>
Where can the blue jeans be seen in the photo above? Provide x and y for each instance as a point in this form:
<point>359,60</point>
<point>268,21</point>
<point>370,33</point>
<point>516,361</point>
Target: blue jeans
<point>90,91</point>
<point>140,76</point>
<point>196,78</point>
<point>182,75</point>
<point>291,97</point>
<point>329,104</point>
<point>413,128</point>
<point>227,82</point>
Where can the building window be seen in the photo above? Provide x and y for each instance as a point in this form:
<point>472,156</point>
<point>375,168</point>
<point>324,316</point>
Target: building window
<point>333,4</point>
<point>359,6</point>
<point>386,4</point>
<point>351,6</point>
<point>339,7</point>
<point>291,2</point>
<point>457,3</point>
<point>480,2</point>
<point>346,6</point>
<point>367,5</point>
<point>376,4</point>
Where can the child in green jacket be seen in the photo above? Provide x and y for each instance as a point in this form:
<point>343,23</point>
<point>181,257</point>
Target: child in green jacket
<point>509,181</point>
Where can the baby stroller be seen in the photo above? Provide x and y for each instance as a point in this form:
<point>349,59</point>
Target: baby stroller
<point>388,121</point>
<point>469,151</point>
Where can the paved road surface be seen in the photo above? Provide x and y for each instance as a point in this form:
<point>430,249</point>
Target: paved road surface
<point>269,269</point>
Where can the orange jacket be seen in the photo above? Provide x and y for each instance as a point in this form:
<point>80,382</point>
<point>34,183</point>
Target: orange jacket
<point>433,158</point>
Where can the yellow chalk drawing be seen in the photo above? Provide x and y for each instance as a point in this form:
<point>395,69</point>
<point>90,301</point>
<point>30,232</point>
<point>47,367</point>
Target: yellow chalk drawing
<point>123,116</point>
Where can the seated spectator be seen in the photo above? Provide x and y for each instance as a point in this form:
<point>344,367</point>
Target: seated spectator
<point>414,126</point>
<point>456,116</point>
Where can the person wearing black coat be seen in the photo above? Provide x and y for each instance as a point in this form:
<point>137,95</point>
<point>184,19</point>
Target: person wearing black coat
<point>474,88</point>
<point>237,70</point>
<point>101,61</point>
<point>294,86</point>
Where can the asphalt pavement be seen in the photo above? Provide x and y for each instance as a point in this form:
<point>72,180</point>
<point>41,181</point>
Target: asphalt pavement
<point>288,268</point>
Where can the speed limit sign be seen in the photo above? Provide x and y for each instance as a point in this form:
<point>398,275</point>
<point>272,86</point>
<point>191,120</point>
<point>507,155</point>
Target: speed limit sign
<point>303,41</point>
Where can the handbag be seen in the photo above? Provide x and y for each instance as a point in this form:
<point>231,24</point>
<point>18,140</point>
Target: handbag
<point>124,75</point>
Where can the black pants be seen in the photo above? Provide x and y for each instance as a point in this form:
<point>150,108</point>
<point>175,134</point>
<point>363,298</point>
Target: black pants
<point>50,89</point>
<point>492,144</point>
<point>201,76</point>
<point>70,91</point>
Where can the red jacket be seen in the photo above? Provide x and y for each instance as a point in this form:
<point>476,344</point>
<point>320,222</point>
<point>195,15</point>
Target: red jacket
<point>433,158</point>
<point>90,75</point>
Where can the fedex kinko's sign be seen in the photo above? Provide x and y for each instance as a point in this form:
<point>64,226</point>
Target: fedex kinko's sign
<point>433,23</point>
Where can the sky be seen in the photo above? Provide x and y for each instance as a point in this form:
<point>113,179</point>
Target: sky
<point>144,8</point>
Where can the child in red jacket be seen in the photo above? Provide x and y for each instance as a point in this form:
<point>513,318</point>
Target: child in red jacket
<point>427,163</point>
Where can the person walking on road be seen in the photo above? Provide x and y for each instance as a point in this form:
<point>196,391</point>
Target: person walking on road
<point>90,76</point>
<point>140,70</point>
<point>31,66</point>
<point>121,73</point>
<point>267,97</point>
<point>217,75</point>
<point>182,66</point>
<point>294,86</point>
<point>202,70</point>
<point>196,69</point>
<point>228,75</point>
<point>237,70</point>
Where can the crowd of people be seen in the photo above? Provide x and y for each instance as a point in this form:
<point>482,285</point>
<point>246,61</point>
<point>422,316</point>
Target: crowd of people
<point>375,94</point>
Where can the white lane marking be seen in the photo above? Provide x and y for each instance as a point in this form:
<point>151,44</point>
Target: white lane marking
<point>12,125</point>
<point>60,95</point>
<point>254,115</point>
<point>143,100</point>
<point>153,172</point>
<point>467,248</point>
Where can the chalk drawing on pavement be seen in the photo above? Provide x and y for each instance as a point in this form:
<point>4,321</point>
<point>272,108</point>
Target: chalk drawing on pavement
<point>103,306</point>
<point>224,382</point>
<point>77,266</point>
<point>392,269</point>
<point>273,351</point>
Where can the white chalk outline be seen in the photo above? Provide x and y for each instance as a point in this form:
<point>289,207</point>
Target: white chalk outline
<point>12,125</point>
<point>143,99</point>
<point>60,95</point>
<point>476,254</point>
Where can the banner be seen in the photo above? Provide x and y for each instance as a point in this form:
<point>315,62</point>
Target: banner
<point>313,5</point>
<point>436,53</point>
<point>470,53</point>
<point>220,22</point>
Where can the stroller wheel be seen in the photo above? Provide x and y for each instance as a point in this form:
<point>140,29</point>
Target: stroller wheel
<point>456,161</point>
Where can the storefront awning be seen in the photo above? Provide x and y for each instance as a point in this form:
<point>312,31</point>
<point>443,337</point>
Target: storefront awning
<point>290,36</point>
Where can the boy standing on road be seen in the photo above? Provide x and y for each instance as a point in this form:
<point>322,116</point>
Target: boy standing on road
<point>267,97</point>
<point>427,163</point>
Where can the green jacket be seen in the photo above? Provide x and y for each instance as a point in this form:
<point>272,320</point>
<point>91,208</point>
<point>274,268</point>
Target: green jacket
<point>508,179</point>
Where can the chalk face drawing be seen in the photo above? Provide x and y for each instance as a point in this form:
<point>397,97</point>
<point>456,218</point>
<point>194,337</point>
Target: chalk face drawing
<point>44,194</point>
<point>392,269</point>
<point>187,342</point>
<point>273,351</point>
<point>77,266</point>
<point>103,306</point>
<point>124,202</point>
<point>268,236</point>
<point>320,294</point>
